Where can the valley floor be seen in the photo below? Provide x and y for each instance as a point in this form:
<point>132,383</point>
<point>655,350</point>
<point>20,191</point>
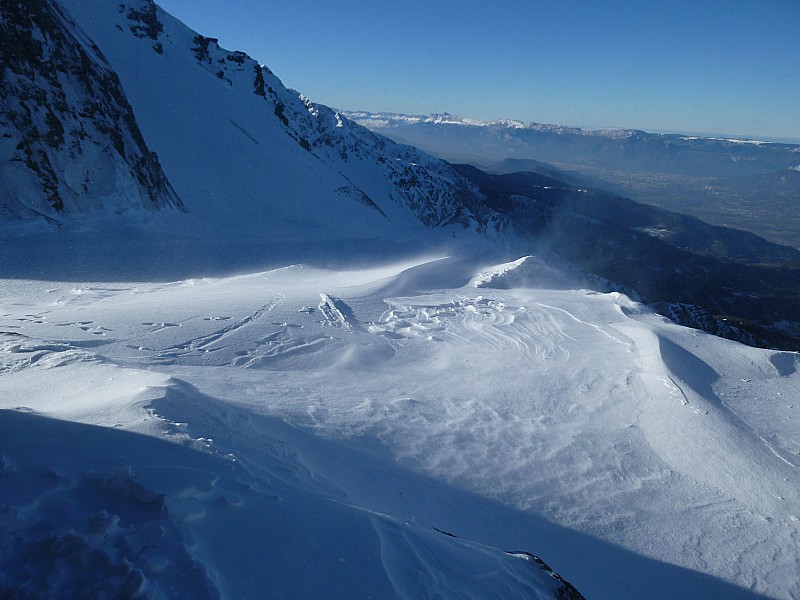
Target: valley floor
<point>387,432</point>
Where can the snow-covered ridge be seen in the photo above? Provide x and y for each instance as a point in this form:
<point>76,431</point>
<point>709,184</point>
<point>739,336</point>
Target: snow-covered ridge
<point>387,120</point>
<point>731,140</point>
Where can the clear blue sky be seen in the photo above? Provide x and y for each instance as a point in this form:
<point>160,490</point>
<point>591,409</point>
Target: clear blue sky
<point>710,66</point>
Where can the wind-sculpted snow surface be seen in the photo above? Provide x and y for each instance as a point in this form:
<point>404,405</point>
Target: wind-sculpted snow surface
<point>310,432</point>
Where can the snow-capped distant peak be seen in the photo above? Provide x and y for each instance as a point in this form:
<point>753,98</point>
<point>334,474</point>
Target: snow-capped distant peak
<point>725,139</point>
<point>387,120</point>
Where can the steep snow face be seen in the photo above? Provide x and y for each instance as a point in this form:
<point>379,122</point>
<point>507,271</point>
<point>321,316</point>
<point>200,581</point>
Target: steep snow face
<point>244,151</point>
<point>69,141</point>
<point>428,186</point>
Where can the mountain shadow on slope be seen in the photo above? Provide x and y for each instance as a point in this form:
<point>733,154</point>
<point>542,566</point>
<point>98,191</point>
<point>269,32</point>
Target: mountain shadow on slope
<point>593,563</point>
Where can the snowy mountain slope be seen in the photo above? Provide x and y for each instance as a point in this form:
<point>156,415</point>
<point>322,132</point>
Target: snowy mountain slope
<point>238,146</point>
<point>293,166</point>
<point>350,417</point>
<point>69,141</point>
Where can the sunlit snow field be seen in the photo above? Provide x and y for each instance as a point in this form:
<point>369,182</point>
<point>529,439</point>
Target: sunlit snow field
<point>302,430</point>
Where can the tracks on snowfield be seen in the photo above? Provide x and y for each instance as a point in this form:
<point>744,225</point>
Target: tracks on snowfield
<point>204,343</point>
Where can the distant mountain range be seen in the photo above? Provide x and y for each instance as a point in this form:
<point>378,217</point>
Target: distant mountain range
<point>110,108</point>
<point>627,149</point>
<point>748,184</point>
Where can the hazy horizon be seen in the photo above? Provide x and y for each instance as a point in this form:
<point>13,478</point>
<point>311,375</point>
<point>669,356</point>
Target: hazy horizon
<point>593,127</point>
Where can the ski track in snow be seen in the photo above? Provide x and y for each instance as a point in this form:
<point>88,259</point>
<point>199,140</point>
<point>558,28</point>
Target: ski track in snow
<point>207,343</point>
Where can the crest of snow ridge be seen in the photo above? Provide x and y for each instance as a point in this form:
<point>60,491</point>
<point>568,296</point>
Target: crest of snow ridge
<point>68,137</point>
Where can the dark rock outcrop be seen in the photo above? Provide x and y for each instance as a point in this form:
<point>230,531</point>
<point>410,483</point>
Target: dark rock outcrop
<point>69,141</point>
